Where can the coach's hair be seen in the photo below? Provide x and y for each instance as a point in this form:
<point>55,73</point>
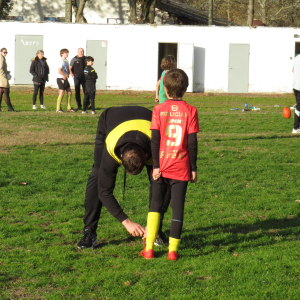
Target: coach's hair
<point>89,58</point>
<point>39,51</point>
<point>3,49</point>
<point>62,51</point>
<point>176,83</point>
<point>167,62</point>
<point>133,158</point>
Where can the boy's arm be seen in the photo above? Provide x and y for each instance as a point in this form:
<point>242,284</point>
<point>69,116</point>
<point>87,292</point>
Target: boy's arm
<point>156,90</point>
<point>62,73</point>
<point>193,149</point>
<point>155,143</point>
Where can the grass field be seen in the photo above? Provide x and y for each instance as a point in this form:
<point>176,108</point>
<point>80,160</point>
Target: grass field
<point>241,233</point>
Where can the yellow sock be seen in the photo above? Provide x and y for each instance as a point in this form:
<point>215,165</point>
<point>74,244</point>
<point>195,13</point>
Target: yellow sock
<point>69,102</point>
<point>173,244</point>
<point>58,103</point>
<point>153,221</point>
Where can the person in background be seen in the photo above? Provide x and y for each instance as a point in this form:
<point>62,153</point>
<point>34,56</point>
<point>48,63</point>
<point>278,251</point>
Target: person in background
<point>4,77</point>
<point>63,82</point>
<point>90,86</point>
<point>296,89</point>
<point>40,72</point>
<point>77,66</point>
<point>167,63</point>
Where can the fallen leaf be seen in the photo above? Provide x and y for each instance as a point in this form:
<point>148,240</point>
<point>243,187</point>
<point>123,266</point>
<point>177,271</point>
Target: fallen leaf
<point>23,183</point>
<point>127,283</point>
<point>216,196</point>
<point>235,254</point>
<point>297,200</point>
<point>43,143</point>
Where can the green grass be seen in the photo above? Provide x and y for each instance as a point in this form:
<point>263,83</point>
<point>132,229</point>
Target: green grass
<point>241,231</point>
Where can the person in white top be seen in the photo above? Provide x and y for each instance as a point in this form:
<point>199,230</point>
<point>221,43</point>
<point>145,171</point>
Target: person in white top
<point>63,82</point>
<point>296,88</point>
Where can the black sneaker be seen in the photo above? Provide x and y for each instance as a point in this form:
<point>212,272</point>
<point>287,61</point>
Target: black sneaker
<point>88,240</point>
<point>161,239</point>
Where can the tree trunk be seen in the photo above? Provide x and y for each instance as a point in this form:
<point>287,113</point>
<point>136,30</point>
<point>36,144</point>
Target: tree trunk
<point>1,1</point>
<point>68,11</point>
<point>250,12</point>
<point>210,12</point>
<point>152,12</point>
<point>79,16</point>
<point>228,11</point>
<point>132,5</point>
<point>263,14</point>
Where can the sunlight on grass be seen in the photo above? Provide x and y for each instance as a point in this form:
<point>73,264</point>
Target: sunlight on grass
<point>241,230</point>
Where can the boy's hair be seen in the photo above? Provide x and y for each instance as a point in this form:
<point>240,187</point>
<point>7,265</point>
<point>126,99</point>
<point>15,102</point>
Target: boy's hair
<point>39,51</point>
<point>62,51</point>
<point>133,159</point>
<point>89,58</point>
<point>167,62</point>
<point>176,83</point>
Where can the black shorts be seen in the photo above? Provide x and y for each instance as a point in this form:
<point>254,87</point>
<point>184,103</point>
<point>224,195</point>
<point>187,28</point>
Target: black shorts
<point>63,84</point>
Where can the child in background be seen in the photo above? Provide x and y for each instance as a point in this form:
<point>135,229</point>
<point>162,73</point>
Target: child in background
<point>90,86</point>
<point>167,63</point>
<point>63,82</point>
<point>174,128</point>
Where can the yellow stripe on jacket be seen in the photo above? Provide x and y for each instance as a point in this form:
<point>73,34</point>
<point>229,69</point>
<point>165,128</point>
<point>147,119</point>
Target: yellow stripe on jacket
<point>132,125</point>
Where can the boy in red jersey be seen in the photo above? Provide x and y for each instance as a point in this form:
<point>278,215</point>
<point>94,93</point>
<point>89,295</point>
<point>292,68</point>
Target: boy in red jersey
<point>174,128</point>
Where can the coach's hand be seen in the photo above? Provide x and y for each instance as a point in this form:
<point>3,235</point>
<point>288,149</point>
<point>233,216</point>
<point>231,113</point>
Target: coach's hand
<point>133,228</point>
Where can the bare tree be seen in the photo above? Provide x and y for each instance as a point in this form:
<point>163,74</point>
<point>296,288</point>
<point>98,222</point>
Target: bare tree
<point>210,12</point>
<point>79,11</point>
<point>132,5</point>
<point>152,12</point>
<point>250,12</point>
<point>262,4</point>
<point>68,11</point>
<point>5,7</point>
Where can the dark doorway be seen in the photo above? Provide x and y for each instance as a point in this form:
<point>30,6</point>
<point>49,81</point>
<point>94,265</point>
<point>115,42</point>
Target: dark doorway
<point>297,48</point>
<point>165,49</point>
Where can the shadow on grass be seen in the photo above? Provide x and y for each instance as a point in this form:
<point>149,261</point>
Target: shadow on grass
<point>274,137</point>
<point>241,236</point>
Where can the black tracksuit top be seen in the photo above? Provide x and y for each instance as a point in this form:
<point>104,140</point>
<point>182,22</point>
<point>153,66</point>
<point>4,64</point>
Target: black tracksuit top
<point>118,126</point>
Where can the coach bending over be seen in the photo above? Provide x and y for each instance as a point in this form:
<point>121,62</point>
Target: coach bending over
<point>123,138</point>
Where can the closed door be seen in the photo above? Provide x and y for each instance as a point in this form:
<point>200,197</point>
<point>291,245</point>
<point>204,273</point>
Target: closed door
<point>185,62</point>
<point>238,74</point>
<point>98,50</point>
<point>26,47</point>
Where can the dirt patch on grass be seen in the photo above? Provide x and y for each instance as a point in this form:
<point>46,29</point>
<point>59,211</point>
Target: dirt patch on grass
<point>45,137</point>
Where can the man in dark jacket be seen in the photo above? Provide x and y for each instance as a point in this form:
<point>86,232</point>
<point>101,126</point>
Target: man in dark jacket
<point>40,71</point>
<point>123,138</point>
<point>77,66</point>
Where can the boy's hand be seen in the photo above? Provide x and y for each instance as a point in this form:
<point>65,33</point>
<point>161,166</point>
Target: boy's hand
<point>156,174</point>
<point>194,177</point>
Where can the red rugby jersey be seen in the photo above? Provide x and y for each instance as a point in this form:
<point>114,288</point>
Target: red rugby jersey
<point>175,119</point>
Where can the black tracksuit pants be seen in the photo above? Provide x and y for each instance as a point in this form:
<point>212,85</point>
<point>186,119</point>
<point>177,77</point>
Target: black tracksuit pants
<point>160,189</point>
<point>79,80</point>
<point>297,110</point>
<point>89,95</point>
